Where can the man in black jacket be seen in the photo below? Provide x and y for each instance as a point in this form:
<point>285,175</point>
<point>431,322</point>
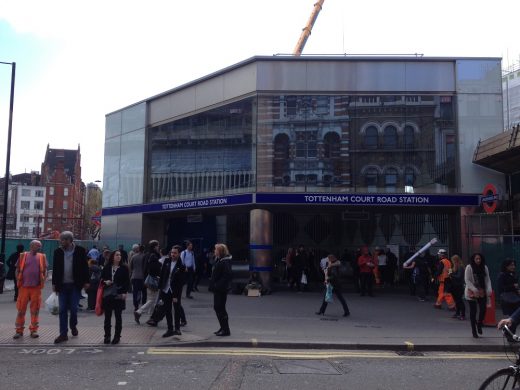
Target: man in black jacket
<point>170,287</point>
<point>69,275</point>
<point>11,262</point>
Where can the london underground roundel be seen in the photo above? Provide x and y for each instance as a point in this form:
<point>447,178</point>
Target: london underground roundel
<point>489,198</point>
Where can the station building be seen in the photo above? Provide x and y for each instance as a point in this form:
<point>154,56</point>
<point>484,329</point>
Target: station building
<point>329,152</point>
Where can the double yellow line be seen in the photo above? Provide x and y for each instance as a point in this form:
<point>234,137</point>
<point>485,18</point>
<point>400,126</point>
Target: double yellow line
<point>315,354</point>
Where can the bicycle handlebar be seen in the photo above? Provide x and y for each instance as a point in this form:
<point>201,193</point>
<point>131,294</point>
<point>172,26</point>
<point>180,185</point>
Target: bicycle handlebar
<point>505,329</point>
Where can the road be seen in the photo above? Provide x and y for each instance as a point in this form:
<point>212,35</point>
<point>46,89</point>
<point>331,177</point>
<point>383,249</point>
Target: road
<point>49,367</point>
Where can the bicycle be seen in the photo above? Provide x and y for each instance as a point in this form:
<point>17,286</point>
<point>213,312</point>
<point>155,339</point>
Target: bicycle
<point>509,377</point>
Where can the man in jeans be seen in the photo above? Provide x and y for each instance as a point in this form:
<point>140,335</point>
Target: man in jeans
<point>69,275</point>
<point>188,259</point>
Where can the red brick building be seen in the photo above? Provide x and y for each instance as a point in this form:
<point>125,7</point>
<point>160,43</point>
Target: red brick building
<point>64,205</point>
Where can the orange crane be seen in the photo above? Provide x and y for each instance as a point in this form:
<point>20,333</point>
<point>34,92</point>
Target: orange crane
<point>306,32</point>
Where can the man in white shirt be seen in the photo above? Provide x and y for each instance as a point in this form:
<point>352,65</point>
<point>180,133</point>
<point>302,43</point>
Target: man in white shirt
<point>188,259</point>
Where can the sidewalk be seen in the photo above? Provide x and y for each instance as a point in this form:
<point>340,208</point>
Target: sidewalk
<point>390,321</point>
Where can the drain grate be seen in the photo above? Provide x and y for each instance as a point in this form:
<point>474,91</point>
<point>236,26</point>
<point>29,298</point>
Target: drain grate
<point>409,353</point>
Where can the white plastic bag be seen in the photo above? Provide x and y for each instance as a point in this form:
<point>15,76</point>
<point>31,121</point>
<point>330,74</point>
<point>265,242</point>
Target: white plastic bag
<point>53,304</point>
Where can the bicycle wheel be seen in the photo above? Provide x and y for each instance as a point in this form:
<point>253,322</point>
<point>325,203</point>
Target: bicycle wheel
<point>504,378</point>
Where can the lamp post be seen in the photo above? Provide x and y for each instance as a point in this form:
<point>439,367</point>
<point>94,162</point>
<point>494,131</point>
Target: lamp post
<point>7,159</point>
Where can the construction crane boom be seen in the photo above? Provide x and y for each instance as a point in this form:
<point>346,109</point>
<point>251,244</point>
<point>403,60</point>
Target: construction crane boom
<point>308,28</point>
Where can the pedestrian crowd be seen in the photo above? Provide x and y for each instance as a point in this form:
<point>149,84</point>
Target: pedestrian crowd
<point>156,277</point>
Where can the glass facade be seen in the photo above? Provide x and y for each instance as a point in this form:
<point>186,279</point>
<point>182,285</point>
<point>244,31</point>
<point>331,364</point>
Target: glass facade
<point>124,157</point>
<point>356,143</point>
<point>203,155</point>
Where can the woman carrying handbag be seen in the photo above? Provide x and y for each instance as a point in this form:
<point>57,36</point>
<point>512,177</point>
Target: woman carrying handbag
<point>116,281</point>
<point>332,278</point>
<point>477,291</point>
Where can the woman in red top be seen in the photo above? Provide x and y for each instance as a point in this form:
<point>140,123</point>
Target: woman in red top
<point>366,271</point>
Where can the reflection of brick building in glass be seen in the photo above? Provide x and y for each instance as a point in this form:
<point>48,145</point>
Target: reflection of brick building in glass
<point>61,175</point>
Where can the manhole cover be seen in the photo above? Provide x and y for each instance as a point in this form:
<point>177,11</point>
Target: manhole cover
<point>319,367</point>
<point>409,353</point>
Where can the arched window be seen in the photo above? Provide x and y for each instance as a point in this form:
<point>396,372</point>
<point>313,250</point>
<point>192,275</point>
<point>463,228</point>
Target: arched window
<point>281,147</point>
<point>408,137</point>
<point>390,137</point>
<point>371,137</point>
<point>371,176</point>
<point>391,178</point>
<point>331,145</point>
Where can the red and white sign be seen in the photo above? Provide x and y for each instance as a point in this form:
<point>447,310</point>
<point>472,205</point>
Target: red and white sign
<point>489,198</point>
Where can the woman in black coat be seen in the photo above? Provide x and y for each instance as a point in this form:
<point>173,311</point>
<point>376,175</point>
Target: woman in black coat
<point>116,281</point>
<point>507,287</point>
<point>220,285</point>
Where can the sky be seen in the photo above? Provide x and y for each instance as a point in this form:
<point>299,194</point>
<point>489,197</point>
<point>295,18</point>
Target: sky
<point>78,61</point>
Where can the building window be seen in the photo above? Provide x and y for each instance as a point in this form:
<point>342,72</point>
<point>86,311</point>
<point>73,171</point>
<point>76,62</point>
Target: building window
<point>24,230</point>
<point>312,149</point>
<point>290,105</point>
<point>450,147</point>
<point>331,145</point>
<point>390,137</point>
<point>391,178</point>
<point>25,205</point>
<point>281,147</point>
<point>38,205</point>
<point>371,176</point>
<point>409,176</point>
<point>51,203</point>
<point>65,191</point>
<point>38,193</point>
<point>51,190</point>
<point>371,138</point>
<point>24,218</point>
<point>65,205</point>
<point>26,192</point>
<point>49,217</point>
<point>408,137</point>
<point>322,105</point>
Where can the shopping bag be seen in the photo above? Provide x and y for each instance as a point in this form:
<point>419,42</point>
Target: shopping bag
<point>328,294</point>
<point>303,279</point>
<point>53,304</point>
<point>99,300</point>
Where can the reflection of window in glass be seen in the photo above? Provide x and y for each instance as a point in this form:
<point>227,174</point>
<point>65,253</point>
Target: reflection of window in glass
<point>409,176</point>
<point>327,179</point>
<point>312,149</point>
<point>300,178</point>
<point>25,204</point>
<point>391,178</point>
<point>390,137</point>
<point>301,149</point>
<point>371,137</point>
<point>412,99</point>
<point>281,146</point>
<point>26,192</point>
<point>331,145</point>
<point>446,108</point>
<point>322,105</point>
<point>371,178</point>
<point>450,146</point>
<point>312,179</point>
<point>408,137</point>
<point>286,180</point>
<point>290,105</point>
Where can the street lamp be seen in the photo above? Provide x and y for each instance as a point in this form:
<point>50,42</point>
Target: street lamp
<point>7,159</point>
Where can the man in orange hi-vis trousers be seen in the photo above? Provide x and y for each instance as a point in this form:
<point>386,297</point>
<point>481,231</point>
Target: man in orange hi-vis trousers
<point>443,272</point>
<point>31,271</point>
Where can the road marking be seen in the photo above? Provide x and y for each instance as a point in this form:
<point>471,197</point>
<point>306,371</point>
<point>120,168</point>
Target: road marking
<point>313,354</point>
<point>122,383</point>
<point>55,351</point>
<point>129,371</point>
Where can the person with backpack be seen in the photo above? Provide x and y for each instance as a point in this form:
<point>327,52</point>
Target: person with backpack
<point>95,276</point>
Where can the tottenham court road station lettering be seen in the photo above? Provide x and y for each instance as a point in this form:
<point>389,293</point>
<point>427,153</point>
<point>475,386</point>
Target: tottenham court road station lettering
<point>195,203</point>
<point>367,199</point>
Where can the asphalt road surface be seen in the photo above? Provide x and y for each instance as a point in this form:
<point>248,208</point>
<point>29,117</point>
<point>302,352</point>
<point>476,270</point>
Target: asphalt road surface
<point>120,367</point>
